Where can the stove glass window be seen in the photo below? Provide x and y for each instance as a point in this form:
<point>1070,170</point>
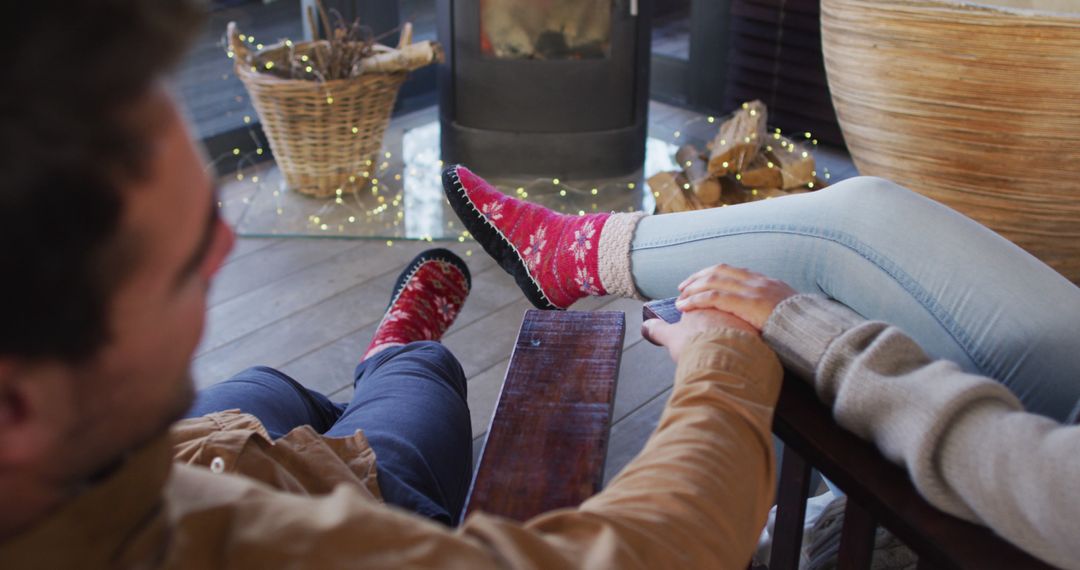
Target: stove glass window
<point>545,29</point>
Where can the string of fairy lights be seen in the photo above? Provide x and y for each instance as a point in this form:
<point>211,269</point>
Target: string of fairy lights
<point>259,202</point>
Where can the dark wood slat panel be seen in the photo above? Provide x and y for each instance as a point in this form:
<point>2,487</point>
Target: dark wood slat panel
<point>804,6</point>
<point>790,511</point>
<point>767,32</point>
<point>546,444</point>
<point>775,56</point>
<point>788,16</point>
<point>856,539</point>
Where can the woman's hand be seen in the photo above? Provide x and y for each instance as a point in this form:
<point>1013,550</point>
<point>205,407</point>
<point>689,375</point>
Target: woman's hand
<point>750,296</point>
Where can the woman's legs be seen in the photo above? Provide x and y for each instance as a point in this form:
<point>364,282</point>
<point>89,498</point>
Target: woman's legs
<point>960,290</point>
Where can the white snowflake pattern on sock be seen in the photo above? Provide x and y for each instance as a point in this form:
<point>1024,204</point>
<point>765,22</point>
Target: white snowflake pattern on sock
<point>533,253</point>
<point>396,315</point>
<point>492,211</point>
<point>585,282</point>
<point>581,243</point>
<point>445,309</point>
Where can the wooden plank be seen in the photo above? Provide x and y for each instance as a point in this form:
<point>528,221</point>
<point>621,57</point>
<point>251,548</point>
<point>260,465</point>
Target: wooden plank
<point>647,370</point>
<point>790,511</point>
<point>491,338</point>
<point>269,264</point>
<point>247,246</point>
<point>351,315</point>
<point>484,386</point>
<point>856,538</point>
<point>260,307</point>
<point>546,444</point>
<point>483,397</point>
<point>629,434</point>
<point>329,366</point>
<point>299,333</point>
<point>274,301</point>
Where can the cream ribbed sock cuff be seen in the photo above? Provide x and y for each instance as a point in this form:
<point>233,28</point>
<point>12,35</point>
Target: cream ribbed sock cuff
<point>613,255</point>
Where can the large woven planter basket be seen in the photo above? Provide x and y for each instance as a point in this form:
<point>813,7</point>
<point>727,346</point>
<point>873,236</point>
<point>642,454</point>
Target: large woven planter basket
<point>977,107</point>
<point>324,134</point>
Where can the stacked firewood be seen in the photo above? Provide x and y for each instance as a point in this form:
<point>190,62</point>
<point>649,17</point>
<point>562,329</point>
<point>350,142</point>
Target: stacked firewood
<point>742,164</point>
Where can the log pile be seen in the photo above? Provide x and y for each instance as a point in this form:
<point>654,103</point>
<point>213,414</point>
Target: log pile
<point>743,163</point>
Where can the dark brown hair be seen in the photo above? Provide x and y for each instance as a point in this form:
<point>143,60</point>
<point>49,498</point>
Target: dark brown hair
<point>68,144</point>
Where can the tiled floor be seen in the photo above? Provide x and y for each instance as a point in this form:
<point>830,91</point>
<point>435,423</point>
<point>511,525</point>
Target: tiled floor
<point>309,307</point>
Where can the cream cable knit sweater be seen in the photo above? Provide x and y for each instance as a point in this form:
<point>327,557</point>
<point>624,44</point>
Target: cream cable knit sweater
<point>965,440</point>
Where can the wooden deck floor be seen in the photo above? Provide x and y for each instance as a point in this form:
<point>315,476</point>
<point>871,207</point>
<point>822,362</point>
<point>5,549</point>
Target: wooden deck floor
<point>309,307</point>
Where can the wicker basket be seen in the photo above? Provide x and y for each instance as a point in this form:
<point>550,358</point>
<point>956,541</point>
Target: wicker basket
<point>324,135</point>
<point>977,107</point>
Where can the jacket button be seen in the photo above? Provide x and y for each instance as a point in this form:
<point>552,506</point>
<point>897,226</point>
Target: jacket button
<point>217,465</point>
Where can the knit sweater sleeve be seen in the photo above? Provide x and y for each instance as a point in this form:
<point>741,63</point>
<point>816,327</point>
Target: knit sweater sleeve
<point>965,440</point>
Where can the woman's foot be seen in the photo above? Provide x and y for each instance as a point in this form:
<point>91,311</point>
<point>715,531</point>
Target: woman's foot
<point>556,259</point>
<point>427,297</point>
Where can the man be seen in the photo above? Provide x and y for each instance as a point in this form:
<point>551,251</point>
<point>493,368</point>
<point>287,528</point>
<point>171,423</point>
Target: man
<point>111,237</point>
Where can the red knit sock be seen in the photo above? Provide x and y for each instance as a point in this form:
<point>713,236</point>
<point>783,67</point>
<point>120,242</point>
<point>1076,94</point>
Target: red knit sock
<point>554,257</point>
<point>428,296</point>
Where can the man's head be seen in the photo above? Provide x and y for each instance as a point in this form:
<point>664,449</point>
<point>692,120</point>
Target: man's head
<point>108,235</point>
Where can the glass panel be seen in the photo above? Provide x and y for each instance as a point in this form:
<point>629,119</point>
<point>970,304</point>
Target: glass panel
<point>405,200</point>
<point>553,29</point>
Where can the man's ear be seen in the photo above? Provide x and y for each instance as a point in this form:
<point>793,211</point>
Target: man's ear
<point>27,424</point>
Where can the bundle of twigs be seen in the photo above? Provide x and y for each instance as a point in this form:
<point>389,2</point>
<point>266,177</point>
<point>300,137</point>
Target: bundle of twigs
<point>349,50</point>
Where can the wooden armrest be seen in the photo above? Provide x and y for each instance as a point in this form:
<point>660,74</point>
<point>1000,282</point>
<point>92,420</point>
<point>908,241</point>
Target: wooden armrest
<point>878,491</point>
<point>884,490</point>
<point>547,440</point>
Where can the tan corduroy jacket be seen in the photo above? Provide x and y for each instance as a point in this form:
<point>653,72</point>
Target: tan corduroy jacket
<point>696,497</point>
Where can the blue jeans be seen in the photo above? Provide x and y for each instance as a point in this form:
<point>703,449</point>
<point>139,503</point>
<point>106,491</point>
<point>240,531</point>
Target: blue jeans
<point>409,402</point>
<point>961,291</point>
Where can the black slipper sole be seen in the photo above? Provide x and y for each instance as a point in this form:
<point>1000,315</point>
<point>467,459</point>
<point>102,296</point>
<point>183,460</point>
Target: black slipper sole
<point>435,254</point>
<point>491,240</point>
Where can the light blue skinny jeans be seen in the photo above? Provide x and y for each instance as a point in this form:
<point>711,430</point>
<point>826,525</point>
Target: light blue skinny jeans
<point>961,291</point>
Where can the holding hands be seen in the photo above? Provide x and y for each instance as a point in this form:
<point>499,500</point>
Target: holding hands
<point>718,297</point>
<point>749,296</point>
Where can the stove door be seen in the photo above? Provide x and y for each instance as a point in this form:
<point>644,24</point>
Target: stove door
<point>544,66</point>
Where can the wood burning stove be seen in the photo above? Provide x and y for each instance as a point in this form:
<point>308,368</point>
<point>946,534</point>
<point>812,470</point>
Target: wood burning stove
<point>545,87</point>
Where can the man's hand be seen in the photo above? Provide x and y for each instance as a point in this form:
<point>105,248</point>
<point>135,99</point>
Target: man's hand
<point>676,336</point>
<point>750,296</point>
